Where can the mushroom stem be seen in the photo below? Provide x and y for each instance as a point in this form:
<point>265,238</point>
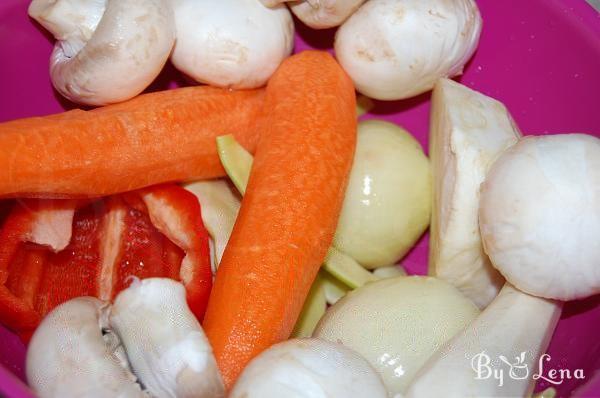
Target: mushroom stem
<point>510,334</point>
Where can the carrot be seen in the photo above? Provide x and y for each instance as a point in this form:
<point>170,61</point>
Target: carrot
<point>289,212</point>
<point>154,138</point>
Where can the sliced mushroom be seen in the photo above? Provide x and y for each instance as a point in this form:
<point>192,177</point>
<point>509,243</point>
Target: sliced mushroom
<point>73,353</point>
<point>165,343</point>
<point>107,50</point>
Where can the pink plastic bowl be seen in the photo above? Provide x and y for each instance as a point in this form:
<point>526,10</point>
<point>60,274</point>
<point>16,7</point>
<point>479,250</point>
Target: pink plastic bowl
<point>540,57</point>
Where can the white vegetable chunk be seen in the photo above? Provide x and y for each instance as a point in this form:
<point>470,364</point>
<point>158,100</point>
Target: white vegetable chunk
<point>308,368</point>
<point>231,43</point>
<point>73,353</point>
<point>165,343</point>
<point>388,199</point>
<point>468,132</point>
<point>539,220</point>
<point>397,324</point>
<point>220,207</point>
<point>540,215</point>
<point>395,49</point>
<point>107,50</point>
<point>323,14</point>
<point>515,329</point>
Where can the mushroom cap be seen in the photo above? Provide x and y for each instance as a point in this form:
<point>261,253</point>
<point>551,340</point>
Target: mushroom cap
<point>406,44</point>
<point>540,215</point>
<point>308,368</point>
<point>231,43</point>
<point>324,14</point>
<point>165,344</point>
<point>73,354</point>
<point>108,59</point>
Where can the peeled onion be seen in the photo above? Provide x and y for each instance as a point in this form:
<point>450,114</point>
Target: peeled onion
<point>397,324</point>
<point>388,198</point>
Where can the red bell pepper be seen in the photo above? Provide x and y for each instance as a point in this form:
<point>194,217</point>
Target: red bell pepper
<point>45,223</point>
<point>177,214</point>
<point>53,250</point>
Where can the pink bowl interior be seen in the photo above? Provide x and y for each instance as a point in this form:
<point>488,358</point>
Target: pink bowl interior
<point>540,57</point>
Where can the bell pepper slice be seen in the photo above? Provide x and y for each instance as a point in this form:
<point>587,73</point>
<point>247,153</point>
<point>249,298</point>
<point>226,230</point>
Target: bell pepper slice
<point>55,250</point>
<point>177,214</point>
<point>42,222</point>
<point>144,251</point>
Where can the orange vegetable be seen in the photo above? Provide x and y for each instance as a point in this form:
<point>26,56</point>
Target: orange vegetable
<point>289,211</point>
<point>154,138</point>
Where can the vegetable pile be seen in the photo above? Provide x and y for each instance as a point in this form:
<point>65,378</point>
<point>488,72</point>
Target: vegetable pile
<point>243,238</point>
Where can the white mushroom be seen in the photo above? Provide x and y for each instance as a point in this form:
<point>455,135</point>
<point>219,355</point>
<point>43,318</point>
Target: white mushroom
<point>308,368</point>
<point>323,14</point>
<point>540,215</point>
<point>468,131</point>
<point>165,343</point>
<point>85,348</point>
<point>509,335</point>
<point>397,324</point>
<point>107,50</point>
<point>388,198</point>
<point>73,353</point>
<point>231,43</point>
<point>395,49</point>
<point>540,222</point>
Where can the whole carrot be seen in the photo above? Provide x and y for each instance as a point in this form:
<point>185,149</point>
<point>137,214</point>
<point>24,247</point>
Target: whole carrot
<point>289,212</point>
<point>154,138</point>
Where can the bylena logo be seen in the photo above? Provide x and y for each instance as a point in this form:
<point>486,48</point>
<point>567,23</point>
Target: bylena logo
<point>518,369</point>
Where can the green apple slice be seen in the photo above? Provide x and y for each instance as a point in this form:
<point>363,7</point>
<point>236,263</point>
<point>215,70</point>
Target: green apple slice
<point>389,272</point>
<point>314,308</point>
<point>236,160</point>
<point>334,289</point>
<point>363,105</point>
<point>346,269</point>
<point>547,393</point>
